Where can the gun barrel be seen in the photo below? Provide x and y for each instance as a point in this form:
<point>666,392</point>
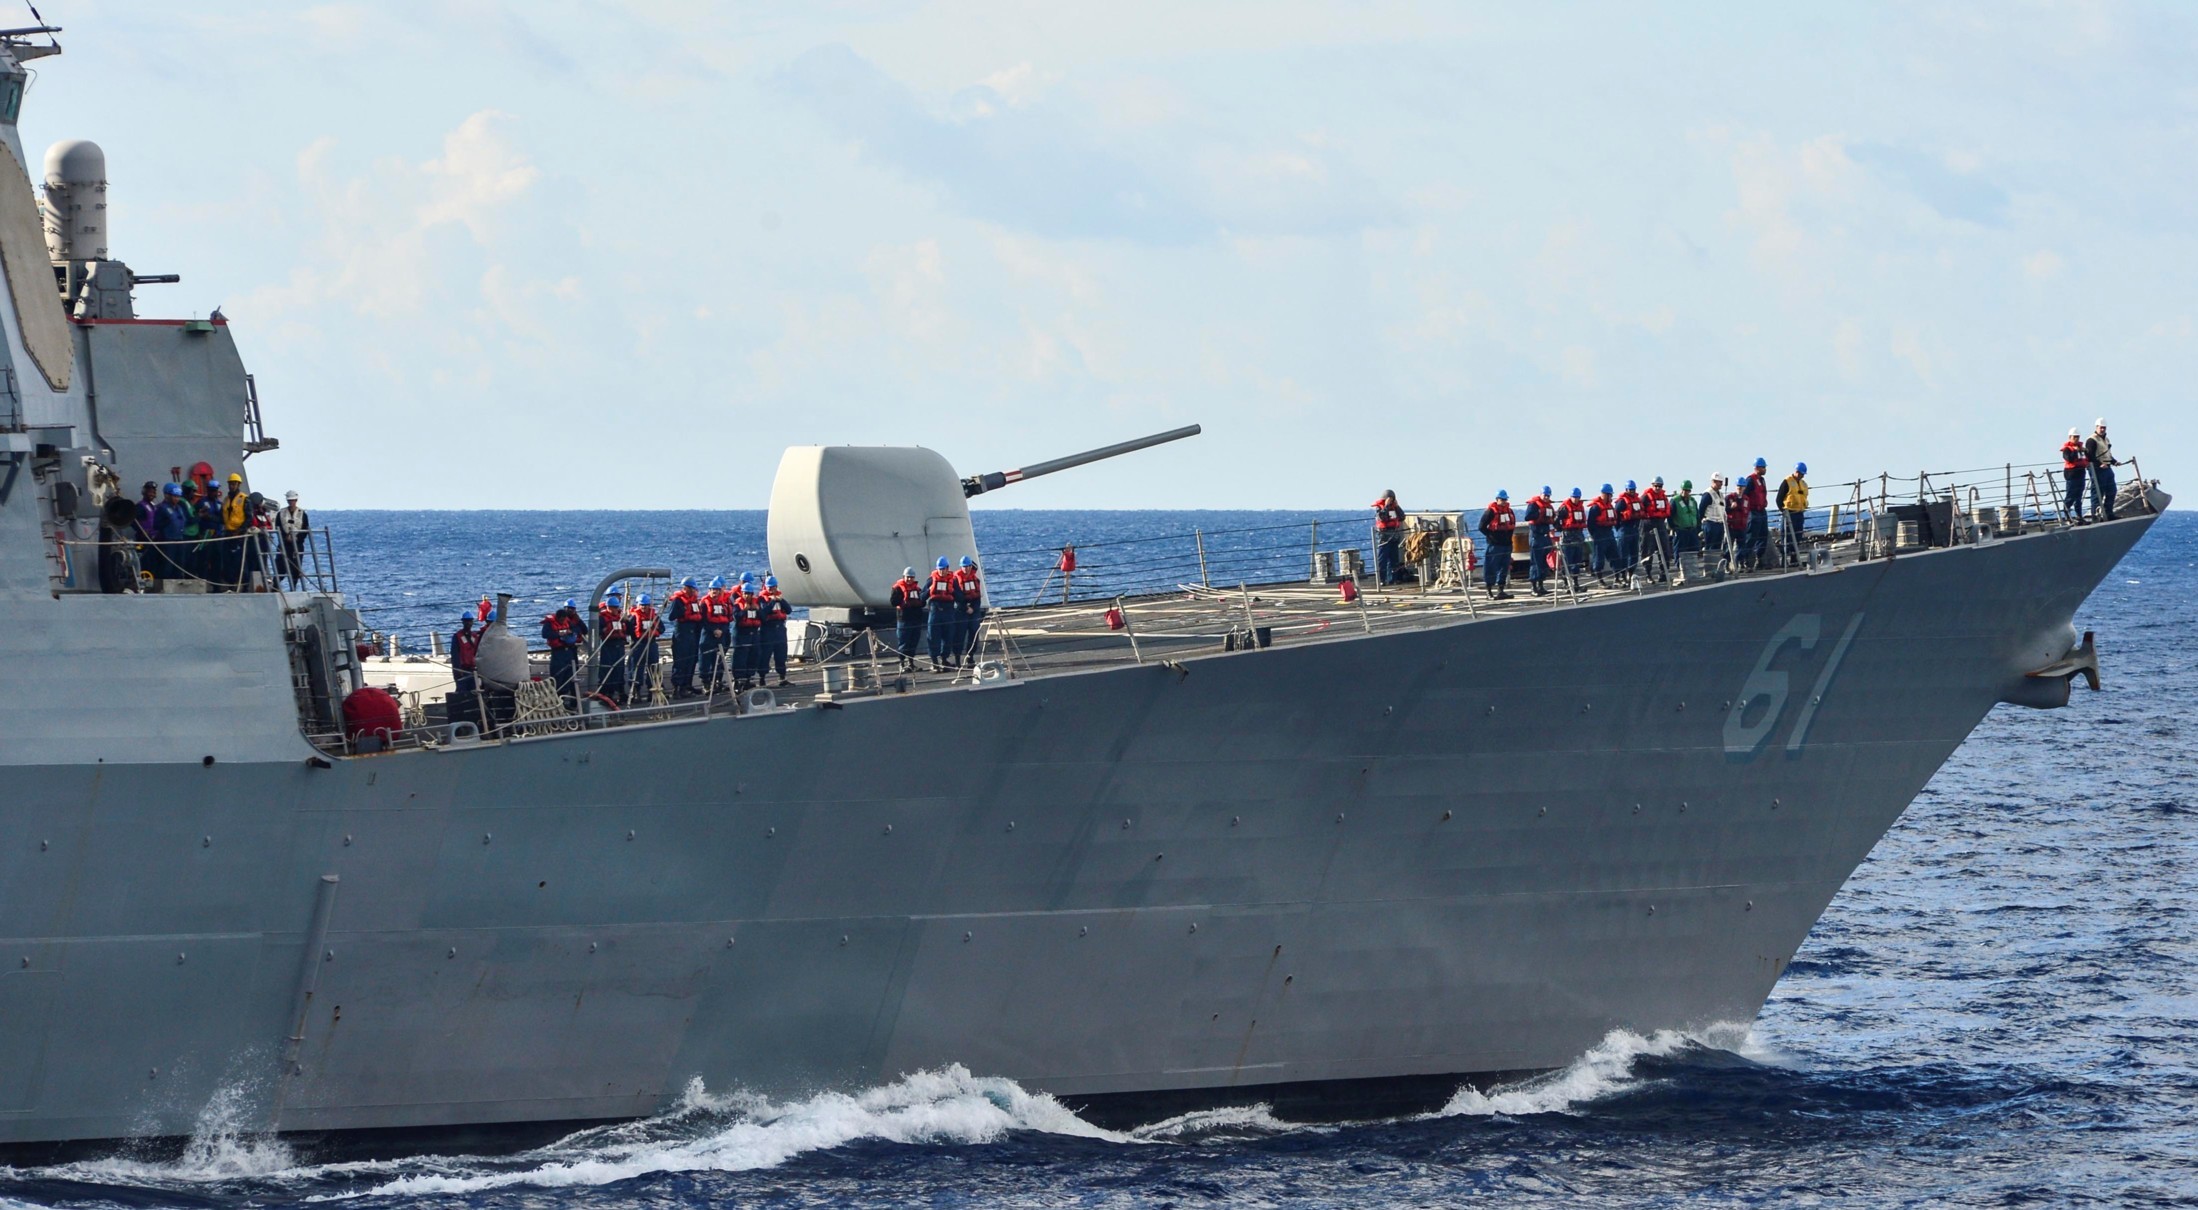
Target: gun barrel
<point>979,484</point>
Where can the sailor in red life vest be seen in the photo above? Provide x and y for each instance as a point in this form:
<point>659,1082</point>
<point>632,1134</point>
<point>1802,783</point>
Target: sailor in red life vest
<point>1758,490</point>
<point>908,602</point>
<point>485,611</point>
<point>643,628</point>
<point>685,611</point>
<point>1629,528</point>
<point>2075,470</point>
<point>775,613</point>
<point>1388,537</point>
<point>747,632</point>
<point>564,632</point>
<point>1656,526</point>
<point>465,644</point>
<point>1602,525</point>
<point>717,632</point>
<point>969,602</point>
<point>1572,530</point>
<point>943,600</point>
<point>1737,518</point>
<point>1540,515</point>
<point>610,647</point>
<point>1497,523</point>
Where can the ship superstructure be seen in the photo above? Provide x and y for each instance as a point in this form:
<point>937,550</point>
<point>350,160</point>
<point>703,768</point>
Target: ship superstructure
<point>1264,845</point>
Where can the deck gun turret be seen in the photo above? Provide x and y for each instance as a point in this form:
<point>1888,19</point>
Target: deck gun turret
<point>845,519</point>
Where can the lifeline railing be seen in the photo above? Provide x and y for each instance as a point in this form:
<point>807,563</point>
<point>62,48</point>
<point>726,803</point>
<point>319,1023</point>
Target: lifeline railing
<point>253,561</point>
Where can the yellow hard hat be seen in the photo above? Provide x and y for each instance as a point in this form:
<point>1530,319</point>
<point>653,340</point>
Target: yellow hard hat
<point>235,478</point>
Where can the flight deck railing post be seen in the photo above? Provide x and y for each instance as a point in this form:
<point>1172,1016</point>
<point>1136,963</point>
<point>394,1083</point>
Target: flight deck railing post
<point>1199,536</point>
<point>1128,630</point>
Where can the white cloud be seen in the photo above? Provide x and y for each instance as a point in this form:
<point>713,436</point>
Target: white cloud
<point>2042,265</point>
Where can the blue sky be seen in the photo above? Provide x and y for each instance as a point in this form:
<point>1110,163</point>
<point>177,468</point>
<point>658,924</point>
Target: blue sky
<point>621,254</point>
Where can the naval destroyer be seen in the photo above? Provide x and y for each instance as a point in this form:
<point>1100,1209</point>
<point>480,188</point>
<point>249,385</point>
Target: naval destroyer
<point>1248,843</point>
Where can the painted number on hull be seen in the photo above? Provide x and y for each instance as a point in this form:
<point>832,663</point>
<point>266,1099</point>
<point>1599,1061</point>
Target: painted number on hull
<point>1761,702</point>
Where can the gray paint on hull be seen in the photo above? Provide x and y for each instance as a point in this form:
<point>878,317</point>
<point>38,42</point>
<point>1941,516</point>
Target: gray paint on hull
<point>1467,849</point>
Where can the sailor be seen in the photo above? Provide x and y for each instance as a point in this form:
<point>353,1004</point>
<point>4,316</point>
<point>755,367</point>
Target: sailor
<point>486,610</point>
<point>204,533</point>
<point>940,596</point>
<point>1756,485</point>
<point>1629,528</point>
<point>1602,522</point>
<point>564,632</point>
<point>747,632</point>
<point>1539,515</point>
<point>148,505</point>
<point>1496,524</point>
<point>610,646</point>
<point>717,633</point>
<point>775,613</point>
<point>1572,528</point>
<point>222,533</point>
<point>1739,516</point>
<point>969,607</point>
<point>908,609</point>
<point>2101,453</point>
<point>1656,525</point>
<point>1686,518</point>
<point>686,614</point>
<point>171,524</point>
<point>2075,472</point>
<point>1388,536</point>
<point>643,628</point>
<point>1711,508</point>
<point>1793,502</point>
<point>465,645</point>
<point>292,525</point>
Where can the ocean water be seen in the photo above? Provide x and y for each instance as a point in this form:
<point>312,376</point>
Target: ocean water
<point>2001,1008</point>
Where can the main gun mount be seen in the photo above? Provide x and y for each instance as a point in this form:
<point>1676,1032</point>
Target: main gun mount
<point>977,485</point>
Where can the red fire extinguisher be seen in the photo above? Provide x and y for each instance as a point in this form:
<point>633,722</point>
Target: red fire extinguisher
<point>1115,620</point>
<point>1350,590</point>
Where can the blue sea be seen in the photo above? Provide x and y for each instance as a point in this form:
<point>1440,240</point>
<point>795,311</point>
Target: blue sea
<point>2001,1008</point>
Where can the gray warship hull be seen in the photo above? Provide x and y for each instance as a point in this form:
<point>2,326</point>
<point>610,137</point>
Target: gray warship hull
<point>1477,847</point>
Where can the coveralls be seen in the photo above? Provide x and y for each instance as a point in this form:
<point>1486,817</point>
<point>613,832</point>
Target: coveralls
<point>686,610</point>
<point>610,652</point>
<point>1711,509</point>
<point>717,634</point>
<point>969,596</point>
<point>563,631</point>
<point>1496,525</point>
<point>1759,517</point>
<point>908,609</point>
<point>1388,536</point>
<point>642,629</point>
<point>1572,521</point>
<point>2075,469</point>
<point>2101,453</point>
<point>1602,520</point>
<point>1793,500</point>
<point>775,613</point>
<point>747,637</point>
<point>464,646</point>
<point>940,594</point>
<point>1656,527</point>
<point>1540,513</point>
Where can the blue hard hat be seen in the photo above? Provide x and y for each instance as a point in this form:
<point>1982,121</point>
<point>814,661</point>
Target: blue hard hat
<point>968,562</point>
<point>1575,493</point>
<point>1501,494</point>
<point>942,562</point>
<point>171,489</point>
<point>1606,489</point>
<point>465,619</point>
<point>1658,481</point>
<point>1801,468</point>
<point>1545,489</point>
<point>614,595</point>
<point>770,581</point>
<point>747,577</point>
<point>570,603</point>
<point>717,582</point>
<point>644,599</point>
<point>689,582</point>
<point>1760,464</point>
<point>1631,486</point>
<point>908,572</point>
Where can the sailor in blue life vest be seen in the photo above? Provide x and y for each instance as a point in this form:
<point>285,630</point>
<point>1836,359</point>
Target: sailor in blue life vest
<point>969,607</point>
<point>1540,514</point>
<point>1629,528</point>
<point>775,613</point>
<point>1572,533</point>
<point>943,601</point>
<point>747,632</point>
<point>643,627</point>
<point>610,646</point>
<point>564,632</point>
<point>717,633</point>
<point>1602,524</point>
<point>908,610</point>
<point>686,614</point>
<point>1388,537</point>
<point>1497,523</point>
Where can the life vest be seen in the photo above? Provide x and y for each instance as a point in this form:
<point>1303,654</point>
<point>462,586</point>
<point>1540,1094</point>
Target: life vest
<point>1539,511</point>
<point>484,611</point>
<point>942,586</point>
<point>1655,505</point>
<point>908,595</point>
<point>561,631</point>
<point>1629,506</point>
<point>610,624</point>
<point>775,609</point>
<point>1793,495</point>
<point>2073,457</point>
<point>967,587</point>
<point>1500,518</point>
<point>1758,496</point>
<point>1736,510</point>
<point>1603,512</point>
<point>747,609</point>
<point>686,606</point>
<point>641,623</point>
<point>1388,514</point>
<point>462,646</point>
<point>717,608</point>
<point>1572,516</point>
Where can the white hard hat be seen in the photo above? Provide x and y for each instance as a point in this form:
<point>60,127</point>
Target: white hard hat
<point>2074,433</point>
<point>289,495</point>
<point>2100,422</point>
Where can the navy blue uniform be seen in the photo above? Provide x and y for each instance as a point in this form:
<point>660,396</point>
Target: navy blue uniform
<point>908,611</point>
<point>775,613</point>
<point>563,632</point>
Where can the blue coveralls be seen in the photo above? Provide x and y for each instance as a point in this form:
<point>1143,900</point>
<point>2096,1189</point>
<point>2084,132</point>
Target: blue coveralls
<point>610,656</point>
<point>773,654</point>
<point>1629,534</point>
<point>747,638</point>
<point>1537,519</point>
<point>1496,567</point>
<point>908,608</point>
<point>716,637</point>
<point>942,619</point>
<point>564,649</point>
<point>641,659</point>
<point>1602,523</point>
<point>686,641</point>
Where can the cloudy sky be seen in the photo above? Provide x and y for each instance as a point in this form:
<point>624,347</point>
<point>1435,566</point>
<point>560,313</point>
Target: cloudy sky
<point>620,254</point>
